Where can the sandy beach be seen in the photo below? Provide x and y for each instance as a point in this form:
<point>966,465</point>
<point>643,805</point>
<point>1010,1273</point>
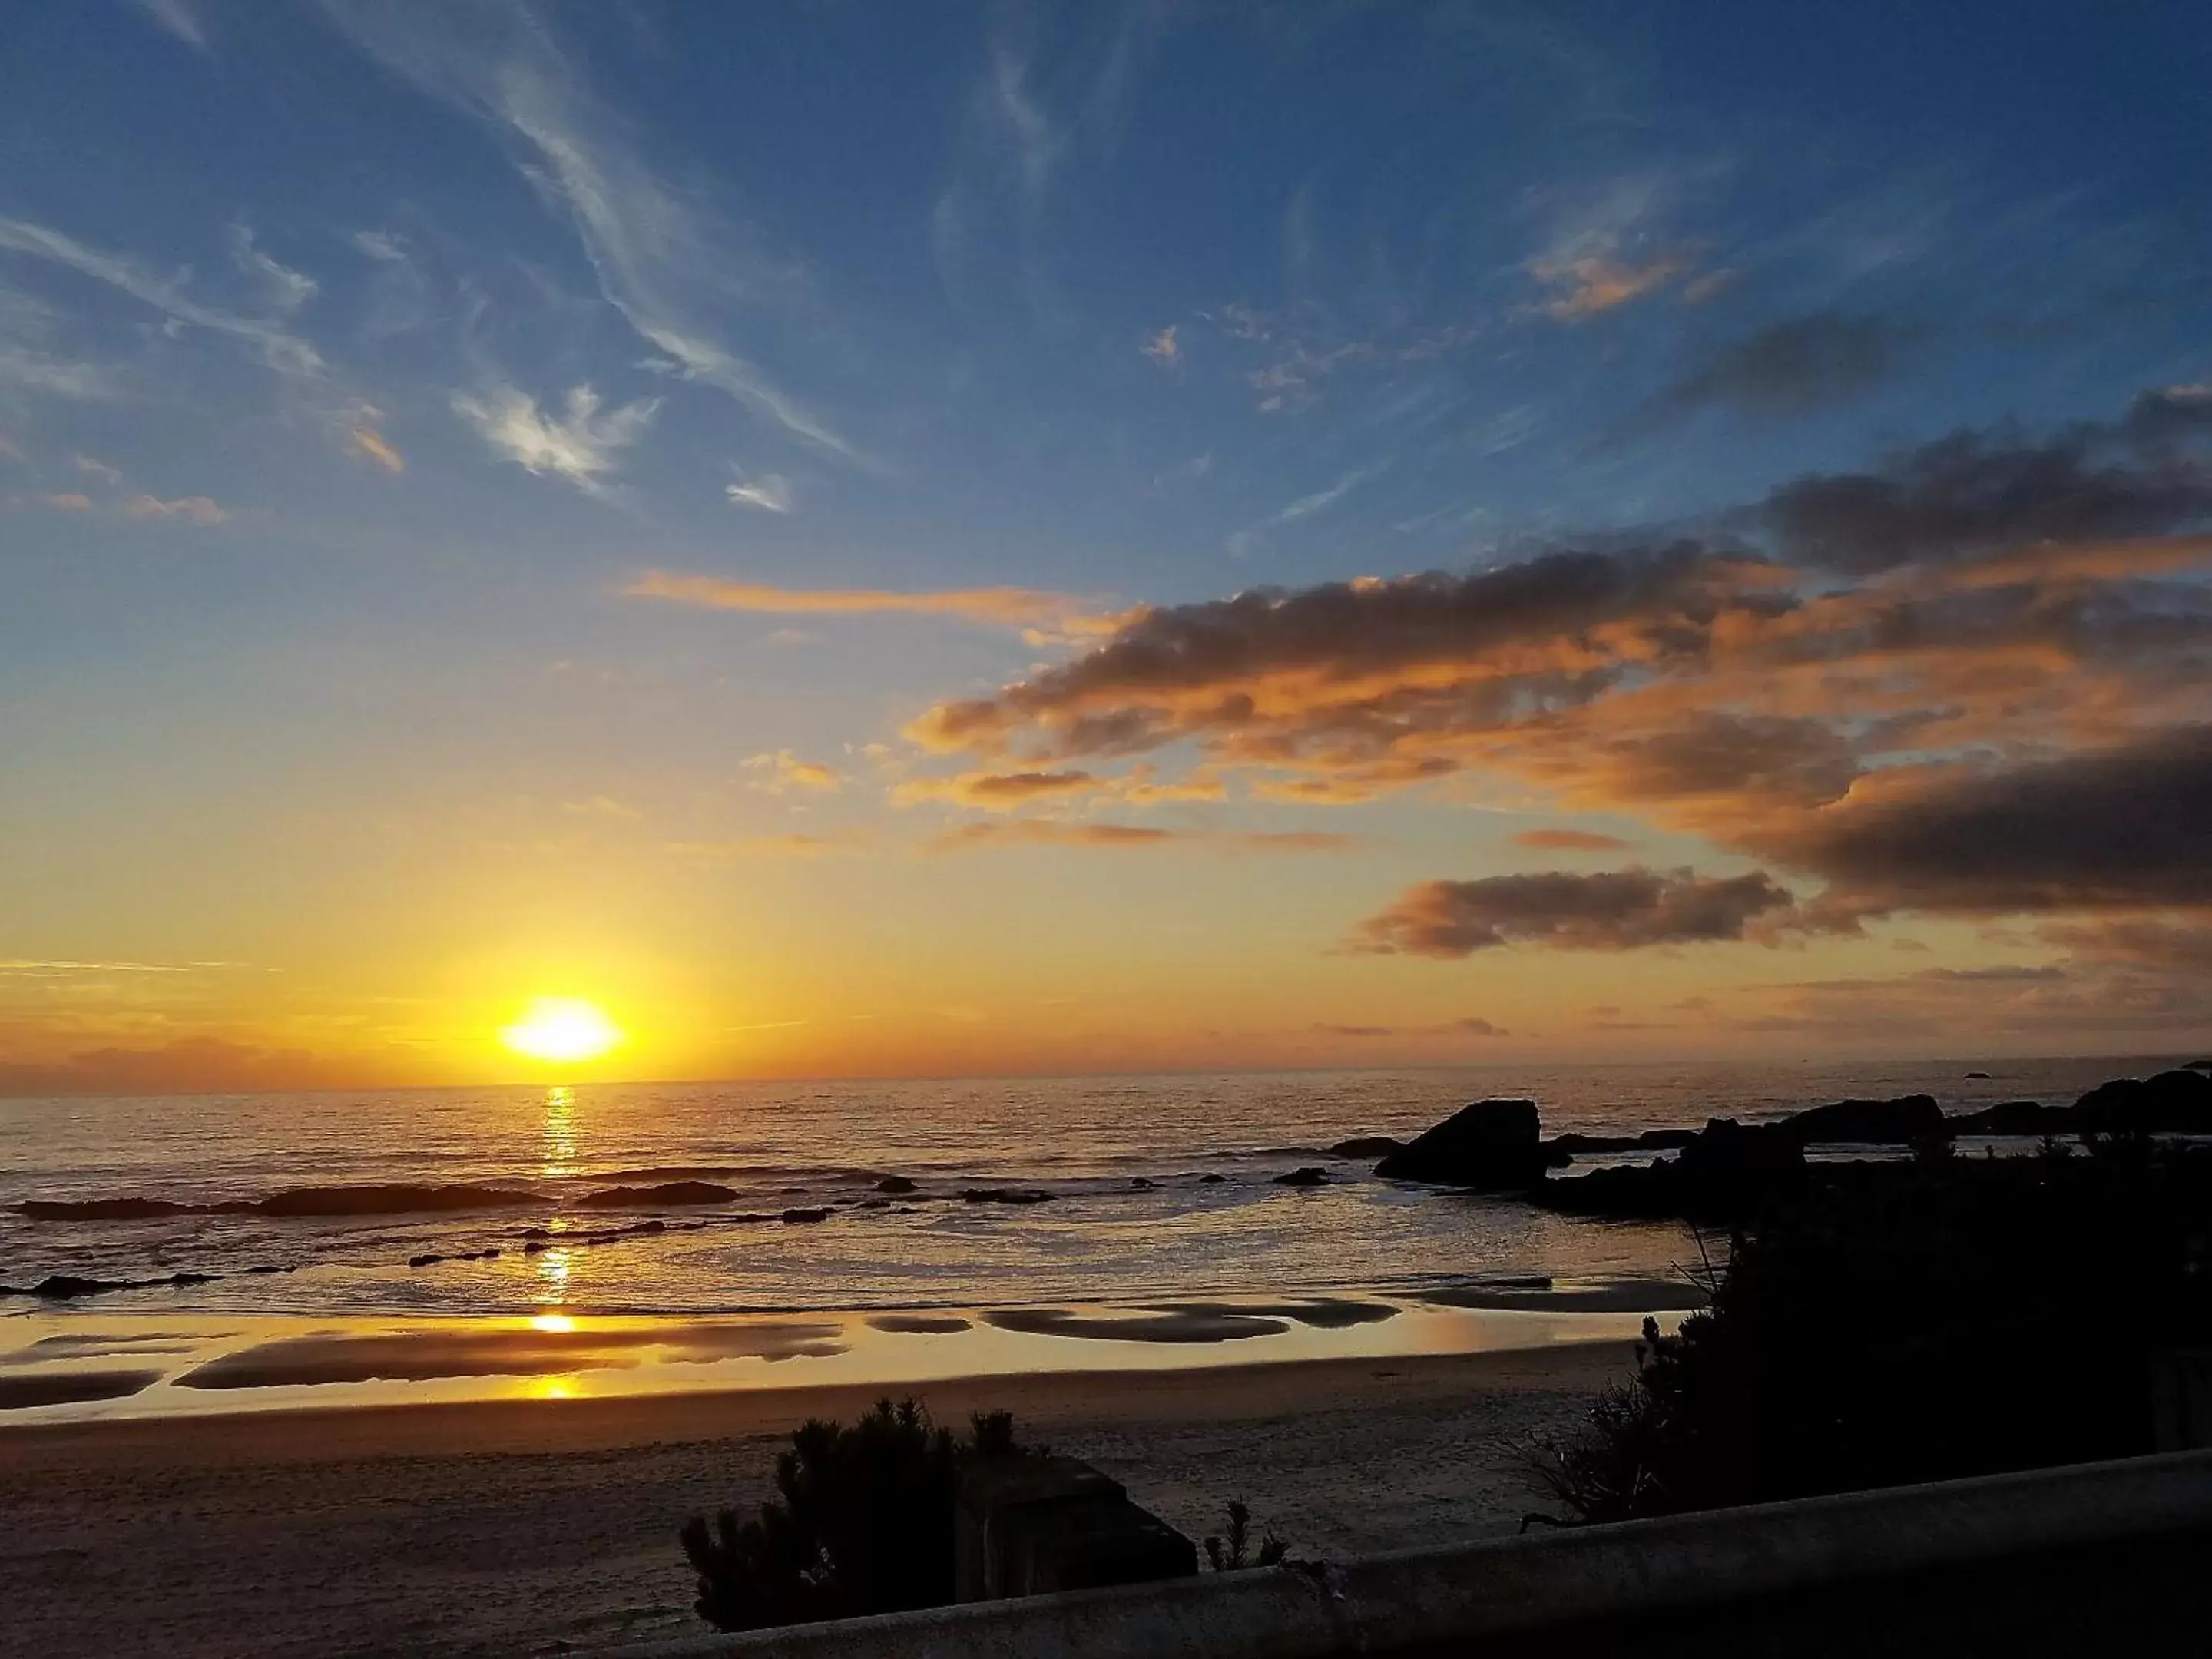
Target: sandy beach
<point>535,1526</point>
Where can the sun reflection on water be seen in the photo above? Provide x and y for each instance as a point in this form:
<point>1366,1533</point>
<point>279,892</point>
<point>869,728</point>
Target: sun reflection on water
<point>559,1157</point>
<point>552,1277</point>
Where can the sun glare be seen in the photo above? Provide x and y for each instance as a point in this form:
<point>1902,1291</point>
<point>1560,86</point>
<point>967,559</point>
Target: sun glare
<point>563,1029</point>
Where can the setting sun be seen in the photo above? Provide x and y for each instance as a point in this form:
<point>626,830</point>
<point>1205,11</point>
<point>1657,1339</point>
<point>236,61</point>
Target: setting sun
<point>562,1029</point>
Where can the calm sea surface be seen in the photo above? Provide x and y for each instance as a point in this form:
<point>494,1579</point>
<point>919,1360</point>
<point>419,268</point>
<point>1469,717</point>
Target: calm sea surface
<point>1089,1142</point>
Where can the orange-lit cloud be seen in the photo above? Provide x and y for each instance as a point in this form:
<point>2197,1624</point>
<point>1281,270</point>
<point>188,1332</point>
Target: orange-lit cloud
<point>1000,791</point>
<point>1991,649</point>
<point>1053,832</point>
<point>1569,840</point>
<point>784,772</point>
<point>370,443</point>
<point>1584,286</point>
<point>996,607</point>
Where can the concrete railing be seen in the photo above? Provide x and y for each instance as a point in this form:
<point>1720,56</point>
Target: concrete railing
<point>2096,1557</point>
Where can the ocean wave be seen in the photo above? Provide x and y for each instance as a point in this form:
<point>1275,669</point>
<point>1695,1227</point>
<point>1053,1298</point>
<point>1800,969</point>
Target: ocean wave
<point>381,1198</point>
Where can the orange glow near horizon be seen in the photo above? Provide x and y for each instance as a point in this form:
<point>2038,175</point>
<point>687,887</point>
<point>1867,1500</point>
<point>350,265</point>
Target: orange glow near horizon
<point>563,1031</point>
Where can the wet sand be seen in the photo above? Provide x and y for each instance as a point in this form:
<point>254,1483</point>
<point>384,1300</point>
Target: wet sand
<point>520,1527</point>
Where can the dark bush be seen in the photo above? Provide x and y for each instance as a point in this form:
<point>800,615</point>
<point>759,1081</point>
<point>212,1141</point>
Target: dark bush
<point>863,1523</point>
<point>1891,1323</point>
<point>1233,1553</point>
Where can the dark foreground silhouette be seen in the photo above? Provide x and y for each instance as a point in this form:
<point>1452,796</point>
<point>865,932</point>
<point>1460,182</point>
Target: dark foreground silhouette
<point>862,1522</point>
<point>1878,1324</point>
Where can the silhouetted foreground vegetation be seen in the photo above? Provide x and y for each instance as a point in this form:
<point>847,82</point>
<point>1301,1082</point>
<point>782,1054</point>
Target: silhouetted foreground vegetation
<point>1230,1550</point>
<point>1884,1323</point>
<point>863,1523</point>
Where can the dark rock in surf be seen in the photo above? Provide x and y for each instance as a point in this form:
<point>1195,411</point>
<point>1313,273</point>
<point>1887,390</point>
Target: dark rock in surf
<point>2015,1117</point>
<point>1983,1076</point>
<point>1492,1145</point>
<point>669,1193</point>
<point>1309,1177</point>
<point>67,1287</point>
<point>894,1185</point>
<point>2172,1103</point>
<point>1142,1183</point>
<point>1212,1179</point>
<point>1562,1148</point>
<point>1004,1195</point>
<point>801,1217</point>
<point>101,1209</point>
<point>1867,1123</point>
<point>1366,1146</point>
<point>424,1260</point>
<point>390,1199</point>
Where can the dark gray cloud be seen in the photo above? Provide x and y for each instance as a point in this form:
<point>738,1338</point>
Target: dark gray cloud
<point>1976,493</point>
<point>1613,910</point>
<point>1791,366</point>
<point>2130,826</point>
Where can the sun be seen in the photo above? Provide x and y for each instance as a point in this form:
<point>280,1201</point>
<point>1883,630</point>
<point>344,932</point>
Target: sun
<point>563,1029</point>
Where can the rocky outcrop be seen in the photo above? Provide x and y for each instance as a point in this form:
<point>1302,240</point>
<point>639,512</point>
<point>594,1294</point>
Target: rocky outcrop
<point>400,1198</point>
<point>2172,1103</point>
<point>894,1185</point>
<point>1309,1177</point>
<point>1366,1146</point>
<point>67,1287</point>
<point>2015,1117</point>
<point>1898,1122</point>
<point>1721,1175</point>
<point>1492,1145</point>
<point>1563,1148</point>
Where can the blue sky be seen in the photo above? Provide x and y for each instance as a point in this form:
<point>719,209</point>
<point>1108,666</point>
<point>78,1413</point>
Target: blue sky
<point>358,360</point>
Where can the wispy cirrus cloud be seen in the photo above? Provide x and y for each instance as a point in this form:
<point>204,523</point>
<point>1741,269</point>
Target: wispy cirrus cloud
<point>1025,608</point>
<point>1243,542</point>
<point>177,19</point>
<point>287,290</point>
<point>765,492</point>
<point>267,337</point>
<point>582,445</point>
<point>663,262</point>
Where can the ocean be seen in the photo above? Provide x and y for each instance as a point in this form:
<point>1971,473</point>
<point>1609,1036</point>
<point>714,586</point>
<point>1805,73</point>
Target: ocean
<point>1153,1186</point>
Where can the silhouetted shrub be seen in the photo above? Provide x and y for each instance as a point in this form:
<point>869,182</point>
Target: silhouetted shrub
<point>1899,1322</point>
<point>1234,1552</point>
<point>863,1523</point>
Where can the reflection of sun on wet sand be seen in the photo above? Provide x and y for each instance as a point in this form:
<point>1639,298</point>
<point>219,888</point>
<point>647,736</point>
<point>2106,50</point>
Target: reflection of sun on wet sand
<point>510,1526</point>
<point>463,1350</point>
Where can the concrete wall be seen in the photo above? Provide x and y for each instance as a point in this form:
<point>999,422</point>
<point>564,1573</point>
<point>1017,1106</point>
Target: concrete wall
<point>2098,1557</point>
